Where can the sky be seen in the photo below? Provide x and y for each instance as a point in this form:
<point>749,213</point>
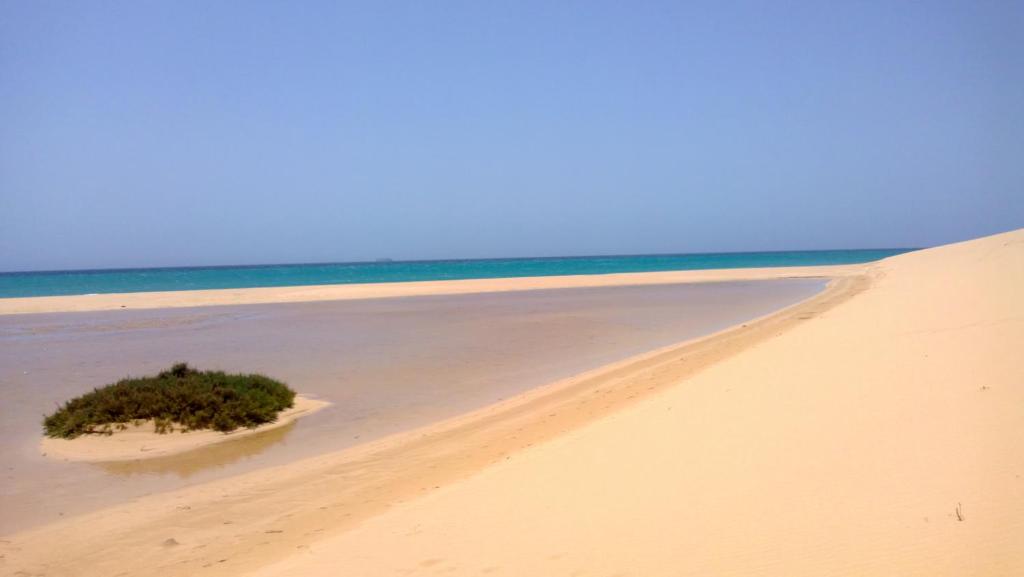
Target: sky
<point>144,133</point>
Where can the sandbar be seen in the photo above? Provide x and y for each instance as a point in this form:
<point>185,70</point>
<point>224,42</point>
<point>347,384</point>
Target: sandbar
<point>220,297</point>
<point>141,442</point>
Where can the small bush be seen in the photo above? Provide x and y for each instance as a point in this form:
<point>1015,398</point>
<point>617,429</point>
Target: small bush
<point>180,396</point>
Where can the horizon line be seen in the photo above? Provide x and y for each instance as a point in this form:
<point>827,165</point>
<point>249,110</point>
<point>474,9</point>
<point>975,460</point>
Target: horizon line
<point>387,261</point>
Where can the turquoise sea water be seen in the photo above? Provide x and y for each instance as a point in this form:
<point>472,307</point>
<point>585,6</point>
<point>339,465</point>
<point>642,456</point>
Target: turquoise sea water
<point>28,284</point>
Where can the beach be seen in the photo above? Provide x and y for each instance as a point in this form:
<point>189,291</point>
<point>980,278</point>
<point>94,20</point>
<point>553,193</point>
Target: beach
<point>869,428</point>
<point>382,365</point>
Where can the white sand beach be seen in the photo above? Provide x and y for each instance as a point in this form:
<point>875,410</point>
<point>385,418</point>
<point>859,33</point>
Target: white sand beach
<point>873,429</point>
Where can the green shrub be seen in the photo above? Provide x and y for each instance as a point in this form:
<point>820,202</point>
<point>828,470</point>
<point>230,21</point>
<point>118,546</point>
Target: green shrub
<point>179,397</point>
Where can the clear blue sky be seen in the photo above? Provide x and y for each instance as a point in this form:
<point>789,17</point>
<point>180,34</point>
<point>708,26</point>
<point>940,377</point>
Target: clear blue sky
<point>144,133</point>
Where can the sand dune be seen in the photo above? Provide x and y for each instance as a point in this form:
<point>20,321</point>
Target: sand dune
<point>845,446</point>
<point>874,429</point>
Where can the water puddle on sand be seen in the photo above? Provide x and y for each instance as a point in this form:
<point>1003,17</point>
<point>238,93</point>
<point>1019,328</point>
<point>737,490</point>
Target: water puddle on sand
<point>387,365</point>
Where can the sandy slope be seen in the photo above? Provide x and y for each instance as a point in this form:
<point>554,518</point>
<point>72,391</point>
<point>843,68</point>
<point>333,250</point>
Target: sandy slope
<point>836,437</point>
<point>842,447</point>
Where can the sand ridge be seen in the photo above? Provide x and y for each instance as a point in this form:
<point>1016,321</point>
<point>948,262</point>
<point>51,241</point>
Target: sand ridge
<point>881,437</point>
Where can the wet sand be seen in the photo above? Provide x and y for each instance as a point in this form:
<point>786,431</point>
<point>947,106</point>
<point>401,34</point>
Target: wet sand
<point>386,365</point>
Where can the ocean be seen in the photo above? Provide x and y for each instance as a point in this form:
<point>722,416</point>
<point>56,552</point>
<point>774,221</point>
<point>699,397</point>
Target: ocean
<point>52,283</point>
